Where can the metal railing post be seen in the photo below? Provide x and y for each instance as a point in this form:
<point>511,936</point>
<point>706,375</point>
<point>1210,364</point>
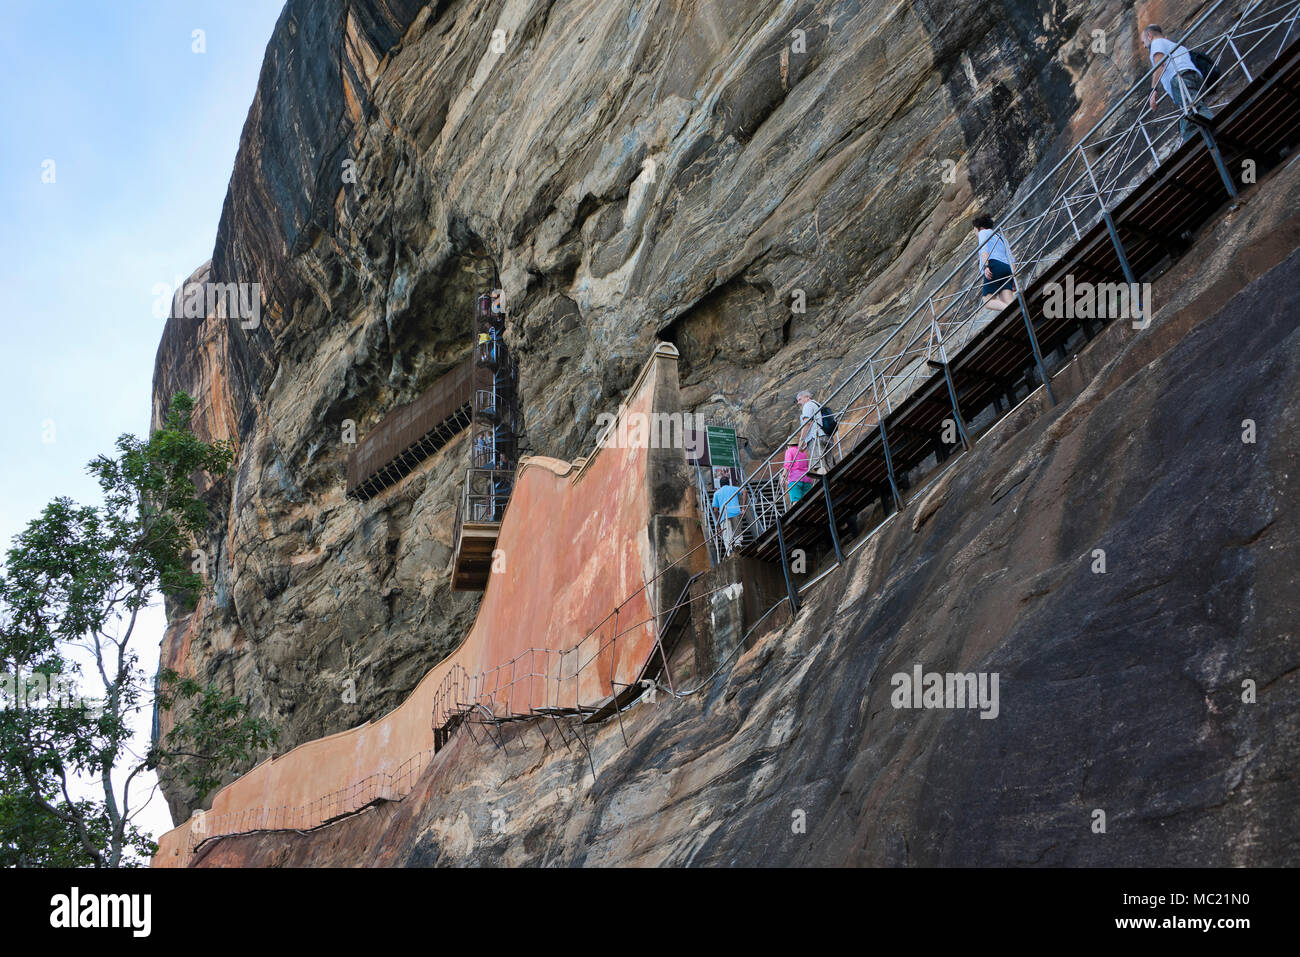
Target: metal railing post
<point>899,504</point>
<point>830,515</point>
<point>1150,146</point>
<point>1073,225</point>
<point>947,376</point>
<point>884,444</point>
<point>1110,223</point>
<point>1232,44</point>
<point>1033,337</point>
<point>790,590</point>
<point>1211,144</point>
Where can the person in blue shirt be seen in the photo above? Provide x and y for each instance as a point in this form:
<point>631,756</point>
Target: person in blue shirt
<point>996,264</point>
<point>729,503</point>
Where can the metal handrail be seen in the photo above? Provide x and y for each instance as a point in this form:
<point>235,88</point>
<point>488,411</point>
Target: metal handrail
<point>891,375</point>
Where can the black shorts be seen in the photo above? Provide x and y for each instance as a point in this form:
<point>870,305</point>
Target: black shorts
<point>1001,278</point>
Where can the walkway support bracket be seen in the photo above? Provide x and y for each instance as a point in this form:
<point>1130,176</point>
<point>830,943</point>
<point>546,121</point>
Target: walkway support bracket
<point>1212,144</point>
<point>790,590</point>
<point>830,516</point>
<point>1033,344</point>
<point>899,505</point>
<point>947,376</point>
<point>1120,252</point>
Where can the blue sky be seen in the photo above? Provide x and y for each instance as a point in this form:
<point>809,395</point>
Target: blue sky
<point>142,131</point>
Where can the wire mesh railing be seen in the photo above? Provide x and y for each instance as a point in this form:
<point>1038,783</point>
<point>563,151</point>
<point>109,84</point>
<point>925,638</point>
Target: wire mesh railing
<point>381,786</point>
<point>1111,160</point>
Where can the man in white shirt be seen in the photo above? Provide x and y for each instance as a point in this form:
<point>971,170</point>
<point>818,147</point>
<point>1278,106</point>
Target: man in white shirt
<point>811,437</point>
<point>1177,73</point>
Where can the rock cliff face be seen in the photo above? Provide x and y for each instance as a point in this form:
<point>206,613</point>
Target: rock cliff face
<point>623,171</point>
<point>1120,691</point>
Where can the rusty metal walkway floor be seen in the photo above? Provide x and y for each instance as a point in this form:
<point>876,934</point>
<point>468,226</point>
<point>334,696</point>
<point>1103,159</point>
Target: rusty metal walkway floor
<point>1154,223</point>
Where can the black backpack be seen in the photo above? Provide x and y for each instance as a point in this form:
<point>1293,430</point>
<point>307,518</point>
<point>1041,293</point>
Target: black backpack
<point>1207,68</point>
<point>828,423</point>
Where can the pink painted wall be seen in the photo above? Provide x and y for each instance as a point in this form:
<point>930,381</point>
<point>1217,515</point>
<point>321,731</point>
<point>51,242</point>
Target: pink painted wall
<point>575,544</point>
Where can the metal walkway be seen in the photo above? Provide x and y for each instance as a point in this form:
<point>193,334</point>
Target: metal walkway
<point>411,433</point>
<point>1125,201</point>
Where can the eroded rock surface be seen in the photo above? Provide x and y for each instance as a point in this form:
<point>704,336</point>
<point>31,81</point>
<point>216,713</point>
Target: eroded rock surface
<point>624,171</point>
<point>1123,691</point>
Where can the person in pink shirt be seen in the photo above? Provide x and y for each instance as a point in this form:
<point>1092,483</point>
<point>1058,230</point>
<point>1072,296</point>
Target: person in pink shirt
<point>796,472</point>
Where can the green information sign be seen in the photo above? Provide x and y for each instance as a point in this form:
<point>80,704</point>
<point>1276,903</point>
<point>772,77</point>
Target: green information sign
<point>723,451</point>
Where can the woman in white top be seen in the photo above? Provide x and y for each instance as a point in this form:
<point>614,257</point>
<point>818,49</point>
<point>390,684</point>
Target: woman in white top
<point>996,264</point>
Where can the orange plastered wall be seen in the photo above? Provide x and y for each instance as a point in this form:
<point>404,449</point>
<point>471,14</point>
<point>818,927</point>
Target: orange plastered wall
<point>574,546</point>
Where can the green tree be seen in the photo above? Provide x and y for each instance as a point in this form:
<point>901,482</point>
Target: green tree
<point>77,578</point>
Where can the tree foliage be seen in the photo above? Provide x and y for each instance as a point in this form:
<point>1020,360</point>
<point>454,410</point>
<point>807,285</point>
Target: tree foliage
<point>71,590</point>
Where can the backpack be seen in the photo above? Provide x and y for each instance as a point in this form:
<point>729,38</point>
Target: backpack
<point>1206,67</point>
<point>828,423</point>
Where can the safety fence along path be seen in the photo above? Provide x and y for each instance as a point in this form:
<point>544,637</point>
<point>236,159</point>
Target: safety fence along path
<point>1121,202</point>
